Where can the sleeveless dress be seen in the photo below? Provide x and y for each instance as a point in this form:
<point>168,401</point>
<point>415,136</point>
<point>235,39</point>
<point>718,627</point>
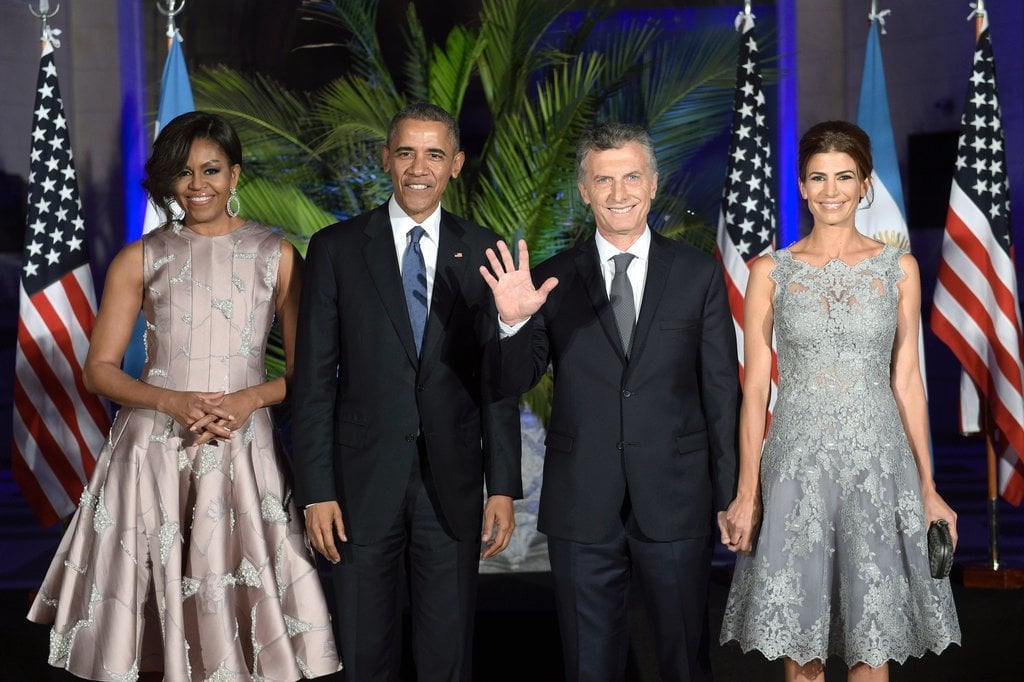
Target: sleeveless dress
<point>840,566</point>
<point>184,559</point>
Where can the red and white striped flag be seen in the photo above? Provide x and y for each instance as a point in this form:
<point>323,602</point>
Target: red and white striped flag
<point>58,425</point>
<point>976,310</point>
<point>747,223</point>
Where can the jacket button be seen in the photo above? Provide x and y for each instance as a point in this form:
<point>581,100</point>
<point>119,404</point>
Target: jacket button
<point>410,437</point>
<point>620,446</point>
<point>421,388</point>
<point>627,393</point>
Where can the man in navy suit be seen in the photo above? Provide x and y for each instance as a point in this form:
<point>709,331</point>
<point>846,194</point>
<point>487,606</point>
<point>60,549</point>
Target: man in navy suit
<point>641,446</point>
<point>396,421</point>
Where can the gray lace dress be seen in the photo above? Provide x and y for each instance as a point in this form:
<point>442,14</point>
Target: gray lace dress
<point>840,567</point>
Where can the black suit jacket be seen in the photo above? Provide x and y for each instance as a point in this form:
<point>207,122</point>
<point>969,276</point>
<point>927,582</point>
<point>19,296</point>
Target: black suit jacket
<point>361,395</point>
<point>662,422</point>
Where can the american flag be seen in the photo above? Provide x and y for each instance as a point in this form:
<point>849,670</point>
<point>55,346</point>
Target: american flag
<point>58,425</point>
<point>746,225</point>
<point>976,310</point>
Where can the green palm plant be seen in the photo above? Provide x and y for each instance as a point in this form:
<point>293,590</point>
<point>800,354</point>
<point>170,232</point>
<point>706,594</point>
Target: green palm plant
<point>545,74</point>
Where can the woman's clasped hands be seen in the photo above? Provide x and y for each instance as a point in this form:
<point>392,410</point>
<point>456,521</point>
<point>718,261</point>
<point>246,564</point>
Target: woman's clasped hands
<point>212,416</point>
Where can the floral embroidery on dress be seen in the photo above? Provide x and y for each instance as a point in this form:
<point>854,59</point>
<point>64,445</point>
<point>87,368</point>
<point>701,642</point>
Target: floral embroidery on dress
<point>840,566</point>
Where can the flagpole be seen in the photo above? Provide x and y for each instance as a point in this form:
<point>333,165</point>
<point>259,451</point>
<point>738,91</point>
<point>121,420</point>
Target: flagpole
<point>990,450</point>
<point>994,574</point>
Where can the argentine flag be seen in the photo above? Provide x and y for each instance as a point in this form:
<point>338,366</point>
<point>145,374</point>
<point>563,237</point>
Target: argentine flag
<point>175,99</point>
<point>885,218</point>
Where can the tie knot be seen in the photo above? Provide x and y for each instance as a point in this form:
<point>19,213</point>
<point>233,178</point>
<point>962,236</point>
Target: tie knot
<point>622,262</point>
<point>415,234</point>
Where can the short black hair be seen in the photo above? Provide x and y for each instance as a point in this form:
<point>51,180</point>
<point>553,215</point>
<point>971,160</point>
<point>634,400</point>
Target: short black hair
<point>425,111</point>
<point>173,145</point>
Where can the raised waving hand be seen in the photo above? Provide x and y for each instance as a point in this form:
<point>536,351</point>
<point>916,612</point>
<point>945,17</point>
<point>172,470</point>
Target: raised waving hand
<point>515,296</point>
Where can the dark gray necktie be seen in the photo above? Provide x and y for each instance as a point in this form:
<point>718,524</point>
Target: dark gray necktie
<point>414,281</point>
<point>622,300</point>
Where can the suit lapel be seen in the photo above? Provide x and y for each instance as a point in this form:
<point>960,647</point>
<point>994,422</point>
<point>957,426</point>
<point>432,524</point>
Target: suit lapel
<point>659,264</point>
<point>593,281</point>
<point>382,262</point>
<point>452,262</point>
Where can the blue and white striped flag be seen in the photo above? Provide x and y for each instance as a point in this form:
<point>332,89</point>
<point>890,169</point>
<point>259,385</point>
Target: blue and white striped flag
<point>175,99</point>
<point>885,218</point>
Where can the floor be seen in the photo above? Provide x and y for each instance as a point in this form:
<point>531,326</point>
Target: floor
<point>516,610</point>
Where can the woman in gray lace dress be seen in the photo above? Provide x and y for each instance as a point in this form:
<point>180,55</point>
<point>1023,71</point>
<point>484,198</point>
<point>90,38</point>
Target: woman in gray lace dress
<point>186,558</point>
<point>839,565</point>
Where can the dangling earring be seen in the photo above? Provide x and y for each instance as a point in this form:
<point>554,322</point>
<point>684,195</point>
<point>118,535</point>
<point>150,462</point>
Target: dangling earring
<point>233,210</point>
<point>175,210</point>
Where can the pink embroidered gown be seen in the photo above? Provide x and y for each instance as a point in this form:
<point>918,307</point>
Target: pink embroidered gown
<point>183,559</point>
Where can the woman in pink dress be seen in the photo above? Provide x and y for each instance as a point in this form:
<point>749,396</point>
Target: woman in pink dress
<point>186,558</point>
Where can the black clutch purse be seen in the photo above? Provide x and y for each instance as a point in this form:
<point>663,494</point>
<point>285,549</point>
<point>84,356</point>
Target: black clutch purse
<point>940,549</point>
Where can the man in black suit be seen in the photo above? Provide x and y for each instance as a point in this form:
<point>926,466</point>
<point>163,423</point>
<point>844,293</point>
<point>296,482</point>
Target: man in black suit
<point>396,423</point>
<point>641,446</point>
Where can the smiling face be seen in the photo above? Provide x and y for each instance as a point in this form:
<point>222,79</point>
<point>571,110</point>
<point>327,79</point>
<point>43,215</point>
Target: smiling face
<point>421,158</point>
<point>618,184</point>
<point>203,186</point>
<point>833,188</point>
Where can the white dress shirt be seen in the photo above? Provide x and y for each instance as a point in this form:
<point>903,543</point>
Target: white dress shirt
<point>401,223</point>
<point>637,271</point>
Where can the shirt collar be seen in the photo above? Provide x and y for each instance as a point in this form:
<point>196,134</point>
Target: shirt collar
<point>640,248</point>
<point>401,223</point>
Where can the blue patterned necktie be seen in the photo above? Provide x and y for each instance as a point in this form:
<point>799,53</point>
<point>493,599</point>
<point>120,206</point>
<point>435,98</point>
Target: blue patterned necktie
<point>621,297</point>
<point>414,281</point>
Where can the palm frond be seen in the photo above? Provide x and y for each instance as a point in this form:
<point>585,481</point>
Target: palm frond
<point>358,20</point>
<point>529,179</point>
<point>625,51</point>
<point>511,31</point>
<point>269,118</point>
<point>351,111</point>
<point>417,58</point>
<point>687,100</point>
<point>575,38</point>
<point>452,67</point>
<point>283,206</point>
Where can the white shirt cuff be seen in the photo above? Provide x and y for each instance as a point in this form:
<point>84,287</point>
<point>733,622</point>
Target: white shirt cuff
<point>507,330</point>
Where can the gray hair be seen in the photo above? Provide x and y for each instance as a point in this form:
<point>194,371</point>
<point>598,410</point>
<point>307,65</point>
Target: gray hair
<point>604,136</point>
